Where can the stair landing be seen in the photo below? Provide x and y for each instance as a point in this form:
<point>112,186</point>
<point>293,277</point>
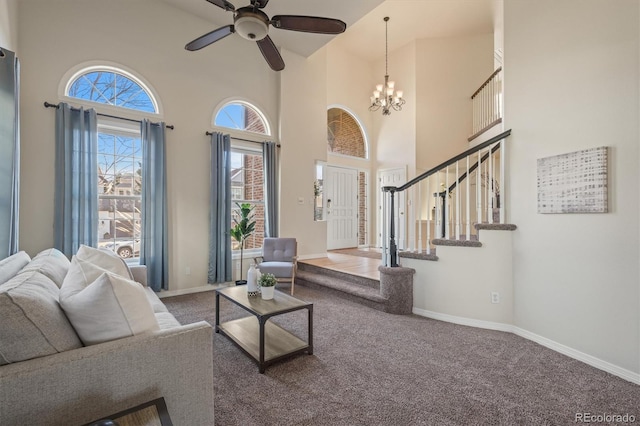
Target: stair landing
<point>348,264</point>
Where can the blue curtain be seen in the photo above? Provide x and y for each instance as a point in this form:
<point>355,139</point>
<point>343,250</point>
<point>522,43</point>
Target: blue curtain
<point>270,159</point>
<point>220,214</point>
<point>154,251</point>
<point>9,151</point>
<point>76,179</point>
<point>15,182</point>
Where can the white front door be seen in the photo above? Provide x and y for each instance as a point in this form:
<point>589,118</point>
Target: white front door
<point>341,189</point>
<point>394,177</point>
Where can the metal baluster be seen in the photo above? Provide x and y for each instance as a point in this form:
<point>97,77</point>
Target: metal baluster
<point>447,206</point>
<point>428,183</point>
<point>503,218</point>
<point>478,190</point>
<point>439,233</point>
<point>468,206</point>
<point>420,212</point>
<point>457,202</point>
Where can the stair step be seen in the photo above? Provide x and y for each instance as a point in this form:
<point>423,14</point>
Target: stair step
<point>349,287</point>
<point>344,276</point>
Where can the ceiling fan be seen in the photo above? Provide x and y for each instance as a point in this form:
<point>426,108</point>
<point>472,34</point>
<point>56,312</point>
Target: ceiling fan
<point>253,24</point>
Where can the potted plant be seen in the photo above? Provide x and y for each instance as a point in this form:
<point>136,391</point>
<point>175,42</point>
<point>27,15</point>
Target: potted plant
<point>243,227</point>
<point>267,283</point>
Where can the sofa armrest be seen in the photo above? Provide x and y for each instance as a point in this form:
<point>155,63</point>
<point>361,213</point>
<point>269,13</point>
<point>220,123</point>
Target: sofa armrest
<point>89,383</point>
<point>139,273</point>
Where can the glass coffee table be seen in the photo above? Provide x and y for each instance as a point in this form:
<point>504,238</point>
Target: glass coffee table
<point>262,340</point>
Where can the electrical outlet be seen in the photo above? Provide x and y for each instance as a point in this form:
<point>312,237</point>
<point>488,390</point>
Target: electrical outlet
<point>495,297</point>
<point>187,270</point>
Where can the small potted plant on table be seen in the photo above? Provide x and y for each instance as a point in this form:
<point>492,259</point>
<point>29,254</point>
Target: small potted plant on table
<point>267,283</point>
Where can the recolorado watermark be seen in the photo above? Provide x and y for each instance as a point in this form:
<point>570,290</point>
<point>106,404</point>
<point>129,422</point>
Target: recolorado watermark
<point>604,418</point>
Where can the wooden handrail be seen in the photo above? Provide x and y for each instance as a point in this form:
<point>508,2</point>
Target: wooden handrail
<point>486,82</point>
<point>453,160</point>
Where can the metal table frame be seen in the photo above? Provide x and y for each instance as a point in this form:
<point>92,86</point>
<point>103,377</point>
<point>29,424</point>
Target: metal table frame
<point>242,331</point>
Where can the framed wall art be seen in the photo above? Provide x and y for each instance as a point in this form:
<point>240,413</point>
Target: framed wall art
<point>573,183</point>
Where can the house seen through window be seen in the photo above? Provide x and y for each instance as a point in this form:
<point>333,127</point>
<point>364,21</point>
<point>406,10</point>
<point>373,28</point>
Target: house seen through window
<point>247,167</point>
<point>119,155</point>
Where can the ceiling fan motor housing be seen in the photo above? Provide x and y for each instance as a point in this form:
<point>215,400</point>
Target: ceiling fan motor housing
<point>251,24</point>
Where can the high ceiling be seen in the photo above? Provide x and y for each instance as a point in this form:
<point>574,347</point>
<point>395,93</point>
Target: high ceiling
<point>409,20</point>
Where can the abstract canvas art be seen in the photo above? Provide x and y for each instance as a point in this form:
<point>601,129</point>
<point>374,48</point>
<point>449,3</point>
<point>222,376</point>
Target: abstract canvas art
<point>573,183</point>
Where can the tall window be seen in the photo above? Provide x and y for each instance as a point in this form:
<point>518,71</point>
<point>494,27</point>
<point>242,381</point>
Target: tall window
<point>247,166</point>
<point>247,186</point>
<point>119,154</point>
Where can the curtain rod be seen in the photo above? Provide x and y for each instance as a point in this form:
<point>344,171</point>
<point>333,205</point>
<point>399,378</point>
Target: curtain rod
<point>208,133</point>
<point>50,105</point>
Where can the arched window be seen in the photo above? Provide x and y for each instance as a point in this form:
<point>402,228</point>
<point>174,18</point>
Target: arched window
<point>344,134</point>
<point>238,115</point>
<point>105,85</point>
<point>119,151</point>
<point>246,123</point>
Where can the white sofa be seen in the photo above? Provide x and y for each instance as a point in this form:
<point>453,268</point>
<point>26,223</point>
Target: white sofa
<point>48,377</point>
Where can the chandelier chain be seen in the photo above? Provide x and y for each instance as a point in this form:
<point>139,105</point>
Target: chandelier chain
<point>386,46</point>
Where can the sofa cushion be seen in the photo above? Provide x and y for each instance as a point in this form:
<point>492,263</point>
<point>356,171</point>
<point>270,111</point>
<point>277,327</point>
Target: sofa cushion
<point>50,263</point>
<point>106,259</point>
<point>104,306</point>
<point>155,301</point>
<point>33,325</point>
<point>166,320</point>
<point>11,265</point>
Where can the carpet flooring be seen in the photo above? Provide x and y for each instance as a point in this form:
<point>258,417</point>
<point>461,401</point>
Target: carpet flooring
<point>373,368</point>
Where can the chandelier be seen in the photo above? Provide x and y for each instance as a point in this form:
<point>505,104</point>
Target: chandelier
<point>385,96</point>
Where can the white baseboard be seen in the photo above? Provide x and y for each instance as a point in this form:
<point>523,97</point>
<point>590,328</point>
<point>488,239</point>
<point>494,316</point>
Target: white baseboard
<point>489,325</point>
<point>171,293</point>
<point>558,347</point>
<point>580,356</point>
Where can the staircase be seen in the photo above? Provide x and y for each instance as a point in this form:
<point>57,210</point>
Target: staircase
<point>447,206</point>
<point>352,287</point>
<point>391,293</point>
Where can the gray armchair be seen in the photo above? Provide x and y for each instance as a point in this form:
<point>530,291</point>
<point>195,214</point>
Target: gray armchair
<point>279,257</point>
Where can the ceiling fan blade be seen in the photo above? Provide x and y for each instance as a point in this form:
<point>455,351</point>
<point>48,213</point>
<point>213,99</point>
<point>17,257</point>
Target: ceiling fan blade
<point>223,4</point>
<point>209,38</point>
<point>309,24</point>
<point>271,54</point>
<point>260,3</point>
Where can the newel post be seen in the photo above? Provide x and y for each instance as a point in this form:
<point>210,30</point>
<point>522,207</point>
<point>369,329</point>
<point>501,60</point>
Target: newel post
<point>393,250</point>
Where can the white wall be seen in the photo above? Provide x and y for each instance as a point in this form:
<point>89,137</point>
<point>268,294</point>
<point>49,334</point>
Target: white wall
<point>443,287</point>
<point>449,71</point>
<point>148,37</point>
<point>303,111</point>
<point>571,83</point>
<point>9,24</point>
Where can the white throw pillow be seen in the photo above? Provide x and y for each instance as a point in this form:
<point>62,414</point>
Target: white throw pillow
<point>104,306</point>
<point>105,259</point>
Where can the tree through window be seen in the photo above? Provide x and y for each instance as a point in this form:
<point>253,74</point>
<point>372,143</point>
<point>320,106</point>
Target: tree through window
<point>119,155</point>
<point>247,166</point>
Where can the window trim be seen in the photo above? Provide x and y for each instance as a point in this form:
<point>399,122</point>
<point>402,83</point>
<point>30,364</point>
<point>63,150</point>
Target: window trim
<point>112,126</point>
<point>243,148</point>
<point>91,66</point>
<point>363,129</point>
<point>244,134</point>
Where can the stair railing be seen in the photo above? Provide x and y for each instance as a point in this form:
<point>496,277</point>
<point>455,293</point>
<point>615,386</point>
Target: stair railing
<point>442,203</point>
<point>487,104</point>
